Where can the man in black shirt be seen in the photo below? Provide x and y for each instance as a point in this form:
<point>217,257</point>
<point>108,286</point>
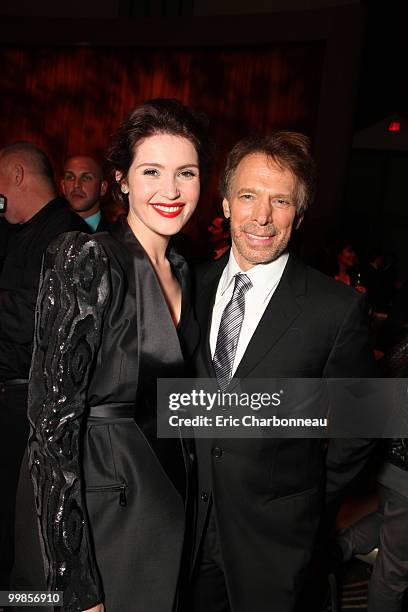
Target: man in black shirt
<point>5,232</point>
<point>38,216</point>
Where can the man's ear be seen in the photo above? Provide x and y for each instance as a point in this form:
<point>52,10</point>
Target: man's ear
<point>104,188</point>
<point>62,186</point>
<point>18,174</point>
<point>299,221</point>
<point>226,208</point>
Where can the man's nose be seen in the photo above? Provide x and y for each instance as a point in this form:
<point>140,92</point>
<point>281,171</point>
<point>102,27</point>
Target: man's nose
<point>77,181</point>
<point>262,211</point>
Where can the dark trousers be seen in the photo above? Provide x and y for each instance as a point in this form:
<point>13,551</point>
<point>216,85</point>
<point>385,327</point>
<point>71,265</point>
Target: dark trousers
<point>209,589</point>
<point>13,441</point>
<point>389,580</point>
<point>387,529</point>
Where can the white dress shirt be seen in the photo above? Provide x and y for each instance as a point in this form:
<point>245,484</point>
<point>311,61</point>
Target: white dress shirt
<point>264,279</point>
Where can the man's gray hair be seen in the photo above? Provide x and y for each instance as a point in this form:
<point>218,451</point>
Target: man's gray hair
<point>289,150</point>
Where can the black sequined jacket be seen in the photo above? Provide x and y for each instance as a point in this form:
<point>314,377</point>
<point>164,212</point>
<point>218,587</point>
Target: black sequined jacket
<point>103,334</point>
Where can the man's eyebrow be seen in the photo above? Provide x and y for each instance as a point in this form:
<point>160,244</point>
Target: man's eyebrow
<point>246,189</point>
<point>287,196</point>
<point>255,190</point>
<point>68,171</point>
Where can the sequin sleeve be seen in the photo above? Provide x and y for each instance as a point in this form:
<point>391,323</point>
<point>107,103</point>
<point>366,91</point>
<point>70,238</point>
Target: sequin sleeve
<point>74,292</point>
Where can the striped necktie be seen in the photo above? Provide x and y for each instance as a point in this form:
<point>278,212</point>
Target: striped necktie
<point>229,330</point>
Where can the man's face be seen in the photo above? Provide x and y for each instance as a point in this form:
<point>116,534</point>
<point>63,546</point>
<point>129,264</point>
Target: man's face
<point>83,185</point>
<point>216,229</point>
<point>261,209</point>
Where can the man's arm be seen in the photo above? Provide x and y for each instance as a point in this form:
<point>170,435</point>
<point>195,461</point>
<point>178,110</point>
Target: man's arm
<point>350,357</point>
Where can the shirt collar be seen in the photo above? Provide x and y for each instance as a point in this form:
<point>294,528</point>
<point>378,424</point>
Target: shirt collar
<point>93,220</point>
<point>263,276</point>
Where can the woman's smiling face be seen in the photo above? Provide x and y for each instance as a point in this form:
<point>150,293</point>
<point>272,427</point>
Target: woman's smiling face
<point>163,184</point>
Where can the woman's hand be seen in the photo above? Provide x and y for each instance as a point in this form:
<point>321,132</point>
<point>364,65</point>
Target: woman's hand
<point>98,608</point>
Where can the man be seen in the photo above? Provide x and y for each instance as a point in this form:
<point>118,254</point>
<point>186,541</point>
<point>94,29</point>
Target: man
<point>83,185</point>
<point>219,236</point>
<point>260,500</point>
<point>39,216</point>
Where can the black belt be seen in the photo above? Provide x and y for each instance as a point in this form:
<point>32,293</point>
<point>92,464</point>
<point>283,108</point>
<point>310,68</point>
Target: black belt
<point>124,410</point>
<point>13,382</point>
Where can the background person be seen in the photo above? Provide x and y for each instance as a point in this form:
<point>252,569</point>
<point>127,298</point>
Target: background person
<point>84,186</point>
<point>36,216</point>
<point>346,267</point>
<point>219,236</point>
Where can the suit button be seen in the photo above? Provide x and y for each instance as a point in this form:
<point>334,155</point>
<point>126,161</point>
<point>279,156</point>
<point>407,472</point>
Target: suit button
<point>217,451</point>
<point>204,496</point>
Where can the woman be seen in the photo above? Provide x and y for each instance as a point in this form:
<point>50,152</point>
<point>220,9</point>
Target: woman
<point>346,260</point>
<point>110,496</point>
<point>347,271</point>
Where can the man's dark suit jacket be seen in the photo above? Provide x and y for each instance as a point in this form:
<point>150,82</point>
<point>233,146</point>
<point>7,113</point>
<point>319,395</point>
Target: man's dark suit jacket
<point>104,225</point>
<point>268,493</point>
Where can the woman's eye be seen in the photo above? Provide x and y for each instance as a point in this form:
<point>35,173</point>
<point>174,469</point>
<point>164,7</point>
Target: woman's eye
<point>151,172</point>
<point>188,173</point>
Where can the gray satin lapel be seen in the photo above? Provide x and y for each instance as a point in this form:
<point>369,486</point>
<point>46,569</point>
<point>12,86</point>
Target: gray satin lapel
<point>204,312</point>
<point>159,356</point>
<point>151,309</point>
<point>153,313</point>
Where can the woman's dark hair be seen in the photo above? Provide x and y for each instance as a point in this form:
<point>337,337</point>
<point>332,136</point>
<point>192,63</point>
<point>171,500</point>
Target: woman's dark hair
<point>157,116</point>
<point>339,243</point>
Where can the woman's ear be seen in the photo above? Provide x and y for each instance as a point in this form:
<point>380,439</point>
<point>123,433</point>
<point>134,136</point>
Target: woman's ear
<point>123,186</point>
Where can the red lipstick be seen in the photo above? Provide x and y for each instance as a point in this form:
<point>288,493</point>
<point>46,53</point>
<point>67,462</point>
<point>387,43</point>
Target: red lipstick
<point>168,210</point>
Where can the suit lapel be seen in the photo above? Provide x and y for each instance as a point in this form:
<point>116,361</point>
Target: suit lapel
<point>279,315</point>
<point>204,308</point>
<point>159,356</point>
<point>152,311</point>
<point>188,331</point>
